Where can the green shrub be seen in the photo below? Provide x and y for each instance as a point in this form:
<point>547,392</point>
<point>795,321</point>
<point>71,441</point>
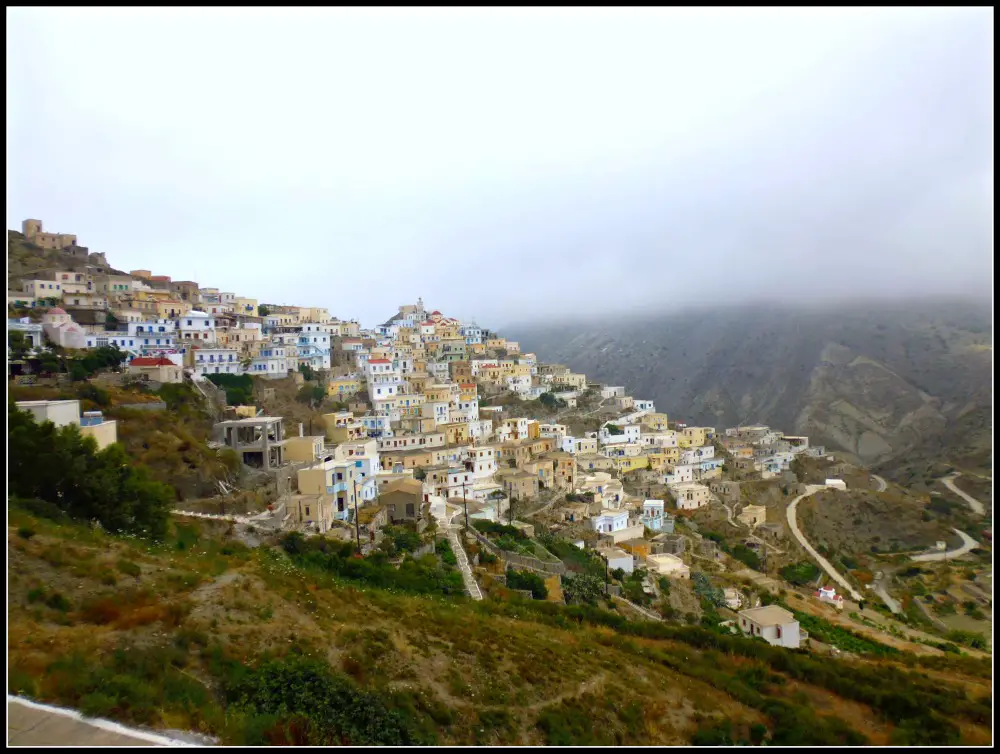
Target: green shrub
<point>129,568</point>
<point>334,711</point>
<point>25,533</point>
<point>800,574</point>
<point>527,580</point>
<point>63,467</point>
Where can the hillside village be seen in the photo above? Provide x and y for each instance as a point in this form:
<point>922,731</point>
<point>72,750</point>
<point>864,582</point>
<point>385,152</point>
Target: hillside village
<point>420,440</point>
<point>433,436</point>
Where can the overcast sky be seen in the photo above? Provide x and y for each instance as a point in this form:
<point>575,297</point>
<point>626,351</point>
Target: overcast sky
<point>505,163</point>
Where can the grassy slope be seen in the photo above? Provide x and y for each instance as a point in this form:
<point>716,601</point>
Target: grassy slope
<point>466,673</point>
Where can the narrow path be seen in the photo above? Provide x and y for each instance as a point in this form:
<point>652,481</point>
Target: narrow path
<point>976,506</point>
<point>641,610</point>
<point>823,562</point>
<point>968,543</point>
<point>882,486</point>
<point>445,519</point>
<point>878,586</point>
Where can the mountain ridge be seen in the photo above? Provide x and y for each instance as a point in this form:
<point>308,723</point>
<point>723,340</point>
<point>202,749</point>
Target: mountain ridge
<point>871,379</point>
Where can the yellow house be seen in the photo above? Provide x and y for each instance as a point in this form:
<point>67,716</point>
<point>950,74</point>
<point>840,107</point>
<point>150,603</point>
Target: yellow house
<point>540,445</point>
<point>343,388</point>
<point>657,460</point>
<point>412,459</point>
<point>417,425</point>
<point>455,433</point>
<point>477,349</point>
<point>639,547</point>
<point>543,468</point>
<point>303,449</point>
<point>655,422</point>
<point>496,343</point>
<point>169,308</point>
<point>343,427</point>
<point>534,429</point>
<point>633,463</point>
<point>563,469</point>
<point>692,437</point>
<point>468,391</point>
<point>517,483</point>
<point>418,382</point>
<point>245,306</point>
<point>514,450</point>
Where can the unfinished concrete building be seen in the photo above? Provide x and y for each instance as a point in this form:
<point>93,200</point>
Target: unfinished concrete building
<point>259,440</point>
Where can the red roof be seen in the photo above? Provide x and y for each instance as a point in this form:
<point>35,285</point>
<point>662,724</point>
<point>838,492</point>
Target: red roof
<point>379,361</point>
<point>147,361</point>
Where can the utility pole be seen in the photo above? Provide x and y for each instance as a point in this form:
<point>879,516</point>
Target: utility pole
<point>465,502</point>
<point>357,523</point>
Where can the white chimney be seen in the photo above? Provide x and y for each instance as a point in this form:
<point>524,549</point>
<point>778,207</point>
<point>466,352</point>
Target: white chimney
<point>300,429</point>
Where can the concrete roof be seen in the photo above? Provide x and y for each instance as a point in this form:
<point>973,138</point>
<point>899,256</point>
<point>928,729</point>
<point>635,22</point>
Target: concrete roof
<point>249,422</point>
<point>769,615</point>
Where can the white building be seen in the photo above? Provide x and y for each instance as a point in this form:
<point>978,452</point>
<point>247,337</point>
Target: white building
<point>629,433</point>
<point>612,391</point>
<point>774,624</point>
<point>270,362</point>
<point>665,564</point>
<point>610,520</point>
<point>217,361</point>
<point>618,559</point>
<point>836,484</point>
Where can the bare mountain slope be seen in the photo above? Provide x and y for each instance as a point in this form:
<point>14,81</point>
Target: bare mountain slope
<point>871,379</point>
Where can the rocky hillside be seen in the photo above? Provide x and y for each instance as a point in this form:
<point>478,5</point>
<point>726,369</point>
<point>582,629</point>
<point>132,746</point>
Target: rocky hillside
<point>25,260</point>
<point>872,379</point>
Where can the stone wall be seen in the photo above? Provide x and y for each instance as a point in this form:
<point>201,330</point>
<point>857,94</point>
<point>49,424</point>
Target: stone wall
<point>518,560</point>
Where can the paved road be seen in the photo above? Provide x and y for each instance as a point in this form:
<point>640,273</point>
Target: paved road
<point>823,562</point>
<point>881,483</point>
<point>977,506</point>
<point>968,543</point>
<point>33,724</point>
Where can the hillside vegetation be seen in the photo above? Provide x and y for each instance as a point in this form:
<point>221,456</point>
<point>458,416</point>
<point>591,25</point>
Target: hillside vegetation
<point>888,383</point>
<point>290,645</point>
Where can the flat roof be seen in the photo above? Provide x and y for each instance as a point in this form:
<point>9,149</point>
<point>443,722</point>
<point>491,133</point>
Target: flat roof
<point>769,615</point>
<point>249,422</point>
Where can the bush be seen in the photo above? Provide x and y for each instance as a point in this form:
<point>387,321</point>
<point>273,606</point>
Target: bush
<point>238,387</point>
<point>800,574</point>
<point>25,533</point>
<point>330,709</point>
<point>527,580</point>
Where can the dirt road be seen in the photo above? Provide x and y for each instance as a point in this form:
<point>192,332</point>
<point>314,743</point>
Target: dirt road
<point>976,506</point>
<point>823,562</point>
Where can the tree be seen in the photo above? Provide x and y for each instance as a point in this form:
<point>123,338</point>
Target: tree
<point>264,310</point>
<point>19,345</point>
<point>308,372</point>
<point>61,466</point>
<point>419,474</point>
<point>614,429</point>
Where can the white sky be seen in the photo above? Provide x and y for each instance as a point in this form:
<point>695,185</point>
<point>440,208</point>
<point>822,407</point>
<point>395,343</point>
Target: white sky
<point>512,162</point>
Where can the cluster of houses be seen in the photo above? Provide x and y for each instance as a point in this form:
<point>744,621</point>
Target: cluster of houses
<point>413,434</point>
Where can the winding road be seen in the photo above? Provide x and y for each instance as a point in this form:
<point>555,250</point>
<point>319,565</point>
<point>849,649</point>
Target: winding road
<point>882,486</point>
<point>976,506</point>
<point>823,562</point>
<point>968,543</point>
